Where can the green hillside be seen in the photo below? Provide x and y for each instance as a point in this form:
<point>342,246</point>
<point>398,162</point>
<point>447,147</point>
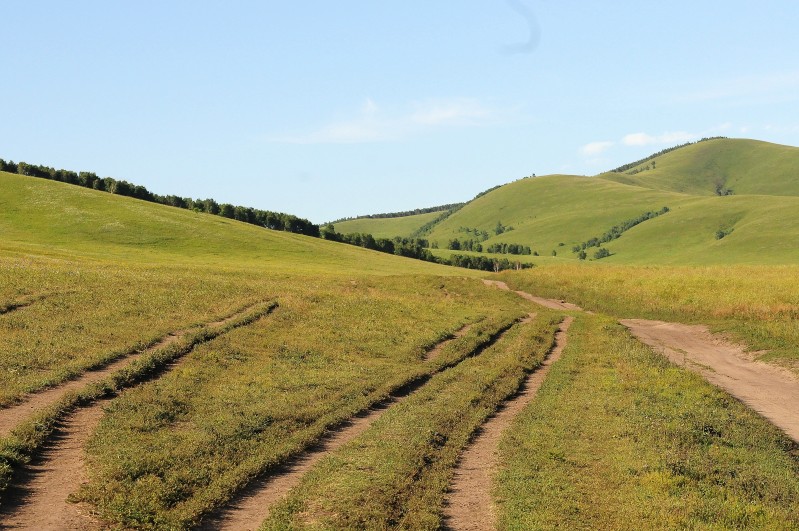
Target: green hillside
<point>715,166</point>
<point>49,218</point>
<point>386,227</point>
<point>757,224</point>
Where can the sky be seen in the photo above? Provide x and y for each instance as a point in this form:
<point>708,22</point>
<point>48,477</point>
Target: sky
<point>334,109</point>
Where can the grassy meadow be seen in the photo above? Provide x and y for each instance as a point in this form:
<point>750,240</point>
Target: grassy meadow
<point>617,437</point>
<point>556,212</point>
<point>57,220</point>
<point>177,447</point>
<point>84,315</point>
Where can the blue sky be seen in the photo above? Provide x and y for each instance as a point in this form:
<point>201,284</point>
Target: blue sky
<point>333,109</point>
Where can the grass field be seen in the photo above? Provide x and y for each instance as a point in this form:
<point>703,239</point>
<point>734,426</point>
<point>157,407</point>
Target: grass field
<point>46,218</point>
<point>84,315</point>
<point>170,450</point>
<point>618,436</point>
<point>396,474</point>
<point>747,167</point>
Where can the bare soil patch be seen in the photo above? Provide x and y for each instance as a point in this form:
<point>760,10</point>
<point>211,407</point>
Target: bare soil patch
<point>41,501</point>
<point>469,505</point>
<point>769,390</point>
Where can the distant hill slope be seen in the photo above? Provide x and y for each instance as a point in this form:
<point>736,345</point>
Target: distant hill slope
<point>386,227</point>
<point>55,219</point>
<point>547,211</point>
<point>730,201</point>
<point>718,166</point>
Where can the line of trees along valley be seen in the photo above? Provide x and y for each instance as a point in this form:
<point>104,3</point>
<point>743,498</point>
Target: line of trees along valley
<point>254,216</point>
<point>418,248</point>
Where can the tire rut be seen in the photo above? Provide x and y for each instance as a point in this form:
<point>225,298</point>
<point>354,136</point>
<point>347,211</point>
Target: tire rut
<point>39,498</point>
<point>23,302</point>
<point>250,507</point>
<point>13,415</point>
<point>469,505</point>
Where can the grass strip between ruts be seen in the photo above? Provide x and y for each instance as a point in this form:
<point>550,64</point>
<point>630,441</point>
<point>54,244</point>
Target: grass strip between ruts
<point>397,473</point>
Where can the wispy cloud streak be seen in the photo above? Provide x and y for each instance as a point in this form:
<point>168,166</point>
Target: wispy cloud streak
<point>373,124</point>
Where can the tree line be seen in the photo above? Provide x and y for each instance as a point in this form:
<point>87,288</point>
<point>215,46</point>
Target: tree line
<point>497,248</point>
<point>417,248</point>
<point>408,247</point>
<point>405,213</point>
<point>484,263</point>
<point>254,216</point>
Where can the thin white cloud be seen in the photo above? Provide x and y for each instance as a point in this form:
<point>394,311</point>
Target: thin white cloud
<point>645,139</point>
<point>593,149</point>
<point>373,124</point>
<point>458,112</point>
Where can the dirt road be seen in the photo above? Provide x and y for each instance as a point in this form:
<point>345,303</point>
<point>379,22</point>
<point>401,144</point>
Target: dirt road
<point>469,505</point>
<point>41,502</point>
<point>769,390</point>
<point>553,304</point>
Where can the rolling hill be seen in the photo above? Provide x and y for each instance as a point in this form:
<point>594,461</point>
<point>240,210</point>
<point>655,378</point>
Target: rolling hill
<point>729,200</point>
<point>49,218</point>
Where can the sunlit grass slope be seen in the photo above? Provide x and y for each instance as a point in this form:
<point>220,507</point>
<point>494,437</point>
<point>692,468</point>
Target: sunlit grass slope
<point>759,221</point>
<point>762,230</point>
<point>40,217</point>
<point>743,166</point>
<point>547,211</point>
<point>386,227</point>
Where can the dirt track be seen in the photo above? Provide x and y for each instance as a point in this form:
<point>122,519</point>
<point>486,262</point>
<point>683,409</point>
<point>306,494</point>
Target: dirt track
<point>771,391</point>
<point>42,502</point>
<point>253,505</point>
<point>767,389</point>
<point>13,415</point>
<point>39,499</point>
<point>553,304</point>
<point>435,351</point>
<point>469,505</point>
